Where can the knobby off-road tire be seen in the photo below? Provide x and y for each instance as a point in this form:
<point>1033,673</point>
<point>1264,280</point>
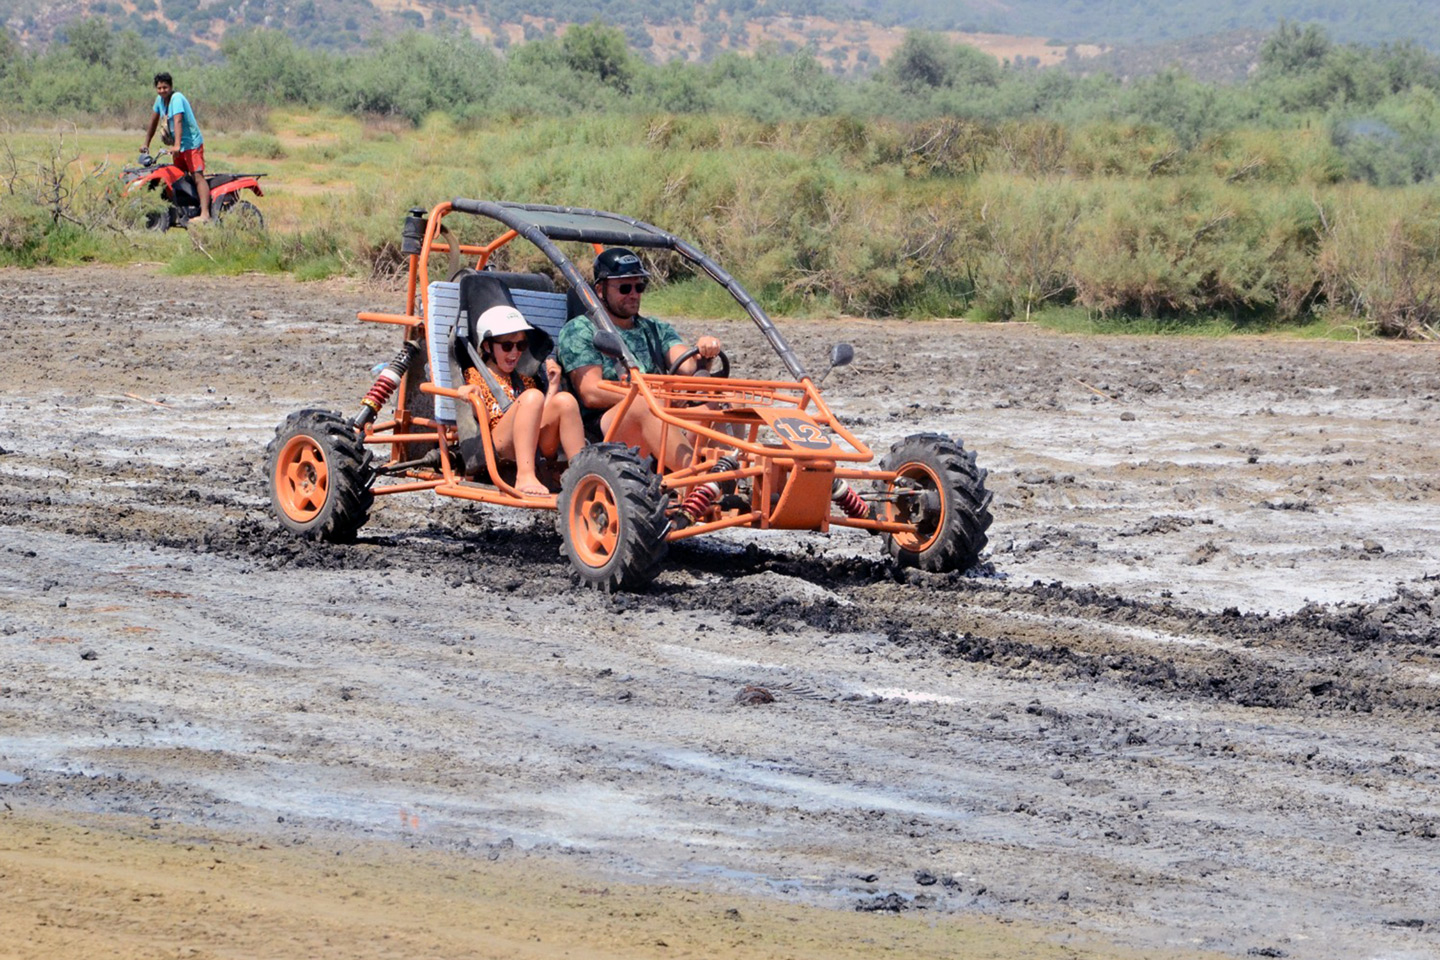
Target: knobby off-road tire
<point>320,476</point>
<point>953,512</point>
<point>612,517</point>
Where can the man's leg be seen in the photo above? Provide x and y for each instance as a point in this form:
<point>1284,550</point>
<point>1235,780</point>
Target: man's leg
<point>631,431</point>
<point>643,429</point>
<point>202,189</point>
<point>195,163</point>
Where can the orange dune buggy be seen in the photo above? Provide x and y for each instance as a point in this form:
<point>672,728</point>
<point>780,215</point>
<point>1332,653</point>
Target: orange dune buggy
<point>766,454</point>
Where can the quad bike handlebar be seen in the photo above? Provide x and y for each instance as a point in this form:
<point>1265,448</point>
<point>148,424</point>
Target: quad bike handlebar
<point>145,161</point>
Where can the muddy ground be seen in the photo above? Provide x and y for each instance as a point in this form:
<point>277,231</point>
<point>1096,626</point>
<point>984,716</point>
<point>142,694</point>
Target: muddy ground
<point>1190,702</point>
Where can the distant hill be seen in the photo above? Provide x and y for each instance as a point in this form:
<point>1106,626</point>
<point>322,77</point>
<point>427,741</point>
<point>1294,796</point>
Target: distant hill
<point>1163,21</point>
<point>1212,39</point>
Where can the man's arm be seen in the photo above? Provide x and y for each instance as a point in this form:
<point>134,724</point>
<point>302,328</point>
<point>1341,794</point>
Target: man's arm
<point>709,348</point>
<point>587,386</point>
<point>150,132</point>
<point>179,131</point>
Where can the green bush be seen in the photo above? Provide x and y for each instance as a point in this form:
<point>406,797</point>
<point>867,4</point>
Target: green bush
<point>1380,260</point>
<point>1024,248</point>
<point>24,228</point>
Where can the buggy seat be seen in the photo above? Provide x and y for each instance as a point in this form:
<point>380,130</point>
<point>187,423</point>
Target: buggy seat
<point>451,305</point>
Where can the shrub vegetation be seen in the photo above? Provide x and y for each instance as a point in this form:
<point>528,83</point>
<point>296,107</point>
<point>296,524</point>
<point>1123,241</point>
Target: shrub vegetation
<point>942,183</point>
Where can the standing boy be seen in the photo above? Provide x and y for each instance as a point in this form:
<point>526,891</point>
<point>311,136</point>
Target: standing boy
<point>184,133</point>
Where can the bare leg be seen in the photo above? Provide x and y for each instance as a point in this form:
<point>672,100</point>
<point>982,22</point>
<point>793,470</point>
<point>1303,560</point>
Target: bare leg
<point>202,188</point>
<point>642,429</point>
<point>631,430</point>
<point>561,426</point>
<point>516,437</point>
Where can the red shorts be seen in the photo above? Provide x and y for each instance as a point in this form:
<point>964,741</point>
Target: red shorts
<point>191,161</point>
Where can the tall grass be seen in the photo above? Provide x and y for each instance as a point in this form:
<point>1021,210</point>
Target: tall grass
<point>829,215</point>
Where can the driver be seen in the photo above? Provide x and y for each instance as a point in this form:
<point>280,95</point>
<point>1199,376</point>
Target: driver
<point>620,279</point>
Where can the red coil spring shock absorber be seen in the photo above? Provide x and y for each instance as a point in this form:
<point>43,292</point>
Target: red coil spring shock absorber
<point>385,384</point>
<point>702,495</point>
<point>849,501</point>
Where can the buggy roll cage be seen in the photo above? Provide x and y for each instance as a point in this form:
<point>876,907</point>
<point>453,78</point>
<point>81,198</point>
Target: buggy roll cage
<point>542,225</point>
<point>729,412</point>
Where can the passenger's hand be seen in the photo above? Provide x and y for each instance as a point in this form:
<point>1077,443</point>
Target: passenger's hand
<point>553,373</point>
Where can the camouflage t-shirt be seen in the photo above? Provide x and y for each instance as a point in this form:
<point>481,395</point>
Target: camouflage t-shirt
<point>575,347</point>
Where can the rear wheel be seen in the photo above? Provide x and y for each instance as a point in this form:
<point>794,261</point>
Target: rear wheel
<point>243,215</point>
<point>612,517</point>
<point>942,492</point>
<point>320,476</point>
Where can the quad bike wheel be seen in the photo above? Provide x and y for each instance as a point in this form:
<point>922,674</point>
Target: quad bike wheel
<point>942,491</point>
<point>243,215</point>
<point>320,476</point>
<point>612,517</point>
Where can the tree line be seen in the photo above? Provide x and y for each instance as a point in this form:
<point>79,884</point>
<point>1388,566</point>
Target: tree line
<point>1378,105</point>
<point>945,182</point>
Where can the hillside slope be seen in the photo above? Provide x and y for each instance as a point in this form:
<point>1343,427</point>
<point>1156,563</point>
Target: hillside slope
<point>848,34</point>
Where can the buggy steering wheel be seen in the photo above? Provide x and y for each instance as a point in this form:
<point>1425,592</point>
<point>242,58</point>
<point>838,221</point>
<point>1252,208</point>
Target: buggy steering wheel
<point>701,372</point>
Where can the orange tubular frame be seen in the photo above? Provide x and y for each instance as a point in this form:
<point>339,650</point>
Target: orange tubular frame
<point>788,478</point>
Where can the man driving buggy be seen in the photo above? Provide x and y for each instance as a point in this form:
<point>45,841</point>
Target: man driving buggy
<point>620,278</point>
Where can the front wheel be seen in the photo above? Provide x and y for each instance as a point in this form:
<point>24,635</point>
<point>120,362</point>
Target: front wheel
<point>612,517</point>
<point>940,490</point>
<point>320,476</point>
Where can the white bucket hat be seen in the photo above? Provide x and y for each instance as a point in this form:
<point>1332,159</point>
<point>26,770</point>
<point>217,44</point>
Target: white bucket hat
<point>498,321</point>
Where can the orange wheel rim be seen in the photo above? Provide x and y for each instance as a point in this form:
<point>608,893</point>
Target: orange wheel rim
<point>927,532</point>
<point>594,522</point>
<point>302,480</point>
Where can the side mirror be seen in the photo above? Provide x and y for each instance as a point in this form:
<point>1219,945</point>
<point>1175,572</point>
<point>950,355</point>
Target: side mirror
<point>609,344</point>
<point>840,356</point>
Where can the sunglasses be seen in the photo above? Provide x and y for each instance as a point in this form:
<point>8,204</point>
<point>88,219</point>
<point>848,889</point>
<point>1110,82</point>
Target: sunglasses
<point>509,345</point>
<point>638,286</point>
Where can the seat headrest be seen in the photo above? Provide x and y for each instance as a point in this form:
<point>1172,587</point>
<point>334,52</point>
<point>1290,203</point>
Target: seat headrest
<point>479,292</point>
<point>482,292</point>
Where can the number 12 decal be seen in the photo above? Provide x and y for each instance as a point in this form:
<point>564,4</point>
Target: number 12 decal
<point>801,433</point>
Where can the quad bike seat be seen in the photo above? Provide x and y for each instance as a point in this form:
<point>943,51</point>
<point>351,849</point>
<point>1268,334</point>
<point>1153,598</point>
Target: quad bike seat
<point>220,179</point>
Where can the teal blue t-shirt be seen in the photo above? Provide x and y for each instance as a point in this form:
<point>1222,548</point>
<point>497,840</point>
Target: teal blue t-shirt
<point>575,347</point>
<point>179,106</point>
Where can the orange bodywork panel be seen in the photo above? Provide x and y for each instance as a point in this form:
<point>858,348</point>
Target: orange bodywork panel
<point>804,502</point>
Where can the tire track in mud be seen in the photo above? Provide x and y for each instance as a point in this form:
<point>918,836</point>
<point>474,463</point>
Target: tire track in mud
<point>1358,658</point>
<point>1311,660</point>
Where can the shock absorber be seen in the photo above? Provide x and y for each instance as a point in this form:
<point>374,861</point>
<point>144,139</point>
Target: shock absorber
<point>703,495</point>
<point>384,385</point>
<point>849,501</point>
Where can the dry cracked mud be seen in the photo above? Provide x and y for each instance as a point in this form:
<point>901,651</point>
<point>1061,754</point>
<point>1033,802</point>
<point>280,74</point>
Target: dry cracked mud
<point>1188,704</point>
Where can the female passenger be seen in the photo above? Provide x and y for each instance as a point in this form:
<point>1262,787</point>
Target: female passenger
<point>529,418</point>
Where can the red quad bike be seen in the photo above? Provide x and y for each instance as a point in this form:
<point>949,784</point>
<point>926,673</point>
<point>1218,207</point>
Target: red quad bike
<point>766,454</point>
<point>178,190</point>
